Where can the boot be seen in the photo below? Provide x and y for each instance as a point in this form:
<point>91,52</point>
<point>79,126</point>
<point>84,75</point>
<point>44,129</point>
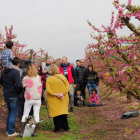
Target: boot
<point>22,128</point>
<point>35,131</point>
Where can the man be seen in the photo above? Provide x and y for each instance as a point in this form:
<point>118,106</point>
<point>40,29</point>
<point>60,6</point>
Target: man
<point>12,86</point>
<point>77,63</point>
<point>48,63</point>
<point>67,70</point>
<point>81,78</point>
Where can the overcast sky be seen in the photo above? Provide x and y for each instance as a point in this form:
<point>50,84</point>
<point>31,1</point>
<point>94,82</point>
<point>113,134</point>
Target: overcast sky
<point>57,26</point>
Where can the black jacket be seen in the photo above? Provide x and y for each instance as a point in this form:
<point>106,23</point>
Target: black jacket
<point>81,75</point>
<point>10,80</point>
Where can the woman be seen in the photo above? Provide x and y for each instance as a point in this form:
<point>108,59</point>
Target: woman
<point>33,90</point>
<point>93,80</point>
<point>57,96</point>
<point>43,81</point>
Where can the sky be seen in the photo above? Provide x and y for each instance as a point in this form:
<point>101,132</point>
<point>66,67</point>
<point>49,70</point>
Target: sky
<point>58,26</point>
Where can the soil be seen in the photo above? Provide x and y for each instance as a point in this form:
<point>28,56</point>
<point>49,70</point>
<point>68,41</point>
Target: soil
<point>97,123</point>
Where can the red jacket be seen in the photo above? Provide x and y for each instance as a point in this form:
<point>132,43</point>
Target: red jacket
<point>69,70</point>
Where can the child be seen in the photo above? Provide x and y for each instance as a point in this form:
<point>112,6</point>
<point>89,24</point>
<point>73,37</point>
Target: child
<point>94,99</point>
<point>79,98</point>
<point>7,57</point>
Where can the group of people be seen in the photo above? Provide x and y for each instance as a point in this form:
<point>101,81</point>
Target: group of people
<point>25,87</point>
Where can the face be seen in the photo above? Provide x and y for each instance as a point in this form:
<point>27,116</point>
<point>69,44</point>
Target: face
<point>82,63</point>
<point>78,92</point>
<point>18,64</point>
<point>78,63</point>
<point>93,92</point>
<point>38,68</point>
<point>48,62</point>
<point>90,69</point>
<point>64,60</point>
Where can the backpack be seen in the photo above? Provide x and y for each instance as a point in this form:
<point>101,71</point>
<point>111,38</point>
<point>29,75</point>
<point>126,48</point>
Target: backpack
<point>127,115</point>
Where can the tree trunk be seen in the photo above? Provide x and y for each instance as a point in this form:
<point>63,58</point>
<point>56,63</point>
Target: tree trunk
<point>129,97</point>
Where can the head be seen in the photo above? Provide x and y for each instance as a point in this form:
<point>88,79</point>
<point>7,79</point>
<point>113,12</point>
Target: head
<point>48,62</point>
<point>53,69</point>
<point>39,68</point>
<point>16,61</point>
<point>9,45</point>
<point>90,68</point>
<point>82,62</point>
<point>94,91</point>
<point>78,92</point>
<point>64,60</point>
<point>78,62</point>
<point>31,71</point>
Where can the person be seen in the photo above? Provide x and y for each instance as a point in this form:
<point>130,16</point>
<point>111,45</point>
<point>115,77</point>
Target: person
<point>57,97</point>
<point>7,57</point>
<point>33,90</point>
<point>77,63</point>
<point>79,98</point>
<point>81,78</point>
<point>12,86</point>
<point>43,81</point>
<point>94,99</point>
<point>68,71</point>
<point>92,79</point>
<point>46,68</point>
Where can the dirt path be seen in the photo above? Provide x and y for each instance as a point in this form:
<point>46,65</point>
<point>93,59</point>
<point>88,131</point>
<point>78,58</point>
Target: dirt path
<point>97,123</point>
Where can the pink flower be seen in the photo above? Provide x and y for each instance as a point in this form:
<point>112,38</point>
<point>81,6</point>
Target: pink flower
<point>28,95</point>
<point>29,83</point>
<point>39,90</point>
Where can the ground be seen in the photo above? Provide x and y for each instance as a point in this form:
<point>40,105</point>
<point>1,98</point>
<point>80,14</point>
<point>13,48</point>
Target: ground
<point>88,123</point>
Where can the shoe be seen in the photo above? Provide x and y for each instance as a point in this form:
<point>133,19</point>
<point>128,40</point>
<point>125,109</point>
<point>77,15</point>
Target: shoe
<point>35,131</point>
<point>41,120</point>
<point>13,135</point>
<point>6,133</point>
<point>56,131</point>
<point>22,125</point>
<point>102,103</point>
<point>67,130</point>
<point>72,109</point>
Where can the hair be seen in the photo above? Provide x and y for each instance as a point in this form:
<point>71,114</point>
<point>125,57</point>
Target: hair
<point>88,69</point>
<point>31,71</point>
<point>16,60</point>
<point>53,69</point>
<point>77,60</point>
<point>9,44</point>
<point>78,90</point>
<point>94,89</point>
<point>65,57</point>
<point>40,71</point>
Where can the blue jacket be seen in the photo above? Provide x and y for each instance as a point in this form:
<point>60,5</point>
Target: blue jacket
<point>10,80</point>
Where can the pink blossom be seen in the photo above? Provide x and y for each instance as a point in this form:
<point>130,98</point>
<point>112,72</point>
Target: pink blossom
<point>29,83</point>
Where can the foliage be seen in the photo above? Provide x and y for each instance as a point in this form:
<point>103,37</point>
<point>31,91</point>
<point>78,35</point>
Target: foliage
<point>117,58</point>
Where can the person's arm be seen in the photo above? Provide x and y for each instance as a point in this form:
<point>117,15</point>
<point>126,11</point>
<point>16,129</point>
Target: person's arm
<point>18,83</point>
<point>97,79</point>
<point>1,80</point>
<point>67,86</point>
<point>85,77</point>
<point>97,100</point>
<point>90,98</point>
<point>74,75</point>
<point>11,55</point>
<point>48,87</point>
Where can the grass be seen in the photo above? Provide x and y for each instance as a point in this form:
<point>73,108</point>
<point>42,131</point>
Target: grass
<point>46,126</point>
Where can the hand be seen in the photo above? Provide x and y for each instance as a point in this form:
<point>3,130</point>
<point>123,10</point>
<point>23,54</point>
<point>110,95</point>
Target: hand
<point>43,71</point>
<point>59,95</point>
<point>74,85</point>
<point>82,99</point>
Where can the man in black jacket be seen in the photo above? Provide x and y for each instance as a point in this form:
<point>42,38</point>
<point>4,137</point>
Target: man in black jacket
<point>12,86</point>
<point>81,78</point>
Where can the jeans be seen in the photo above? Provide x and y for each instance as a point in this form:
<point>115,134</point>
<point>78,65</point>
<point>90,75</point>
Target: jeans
<point>13,105</point>
<point>27,107</point>
<point>71,96</point>
<point>90,86</point>
<point>93,104</point>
